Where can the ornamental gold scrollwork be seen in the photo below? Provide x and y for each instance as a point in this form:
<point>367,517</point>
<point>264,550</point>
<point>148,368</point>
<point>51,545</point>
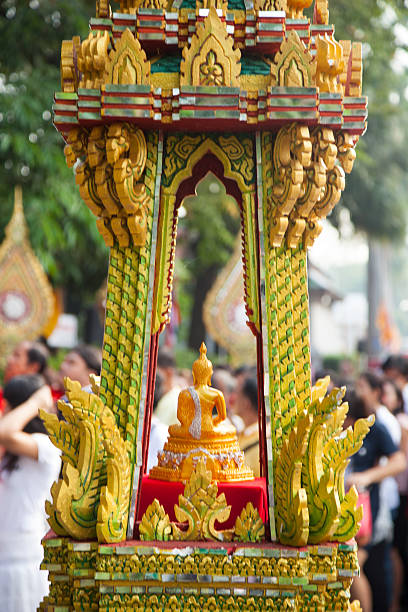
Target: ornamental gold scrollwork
<point>338,155</point>
<point>113,161</point>
<point>93,60</point>
<point>291,154</point>
<point>346,153</point>
<point>311,503</point>
<point>333,514</point>
<point>69,69</point>
<point>91,498</point>
<point>100,64</point>
<point>314,180</point>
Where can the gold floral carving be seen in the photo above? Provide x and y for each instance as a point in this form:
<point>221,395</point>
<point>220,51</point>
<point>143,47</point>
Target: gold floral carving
<point>155,523</point>
<point>249,526</point>
<point>324,153</point>
<point>295,8</point>
<point>291,154</point>
<point>93,60</point>
<point>69,70</point>
<point>85,172</point>
<point>128,64</point>
<point>127,152</point>
<point>211,59</point>
<point>293,64</point>
<point>201,506</point>
<point>88,502</point>
<point>329,64</point>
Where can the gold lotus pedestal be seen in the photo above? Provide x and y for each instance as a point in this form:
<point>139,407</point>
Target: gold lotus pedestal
<point>200,436</point>
<point>159,94</point>
<point>224,458</point>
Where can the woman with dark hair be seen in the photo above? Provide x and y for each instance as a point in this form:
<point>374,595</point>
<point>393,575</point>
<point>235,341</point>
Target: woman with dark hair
<point>80,362</point>
<point>392,398</point>
<point>29,467</point>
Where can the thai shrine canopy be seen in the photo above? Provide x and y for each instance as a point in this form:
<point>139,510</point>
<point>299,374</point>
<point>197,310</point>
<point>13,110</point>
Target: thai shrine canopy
<point>158,95</point>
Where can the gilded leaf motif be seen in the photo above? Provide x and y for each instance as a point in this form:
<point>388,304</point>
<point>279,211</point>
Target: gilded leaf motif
<point>155,524</point>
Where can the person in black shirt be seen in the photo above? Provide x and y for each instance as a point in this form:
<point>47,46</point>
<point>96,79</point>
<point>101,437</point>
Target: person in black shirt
<point>373,587</point>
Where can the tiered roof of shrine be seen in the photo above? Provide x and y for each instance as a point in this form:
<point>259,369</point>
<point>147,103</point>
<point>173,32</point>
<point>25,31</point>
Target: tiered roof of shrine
<point>211,65</point>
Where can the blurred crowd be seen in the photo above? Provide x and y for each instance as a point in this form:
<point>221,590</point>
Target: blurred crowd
<point>378,470</point>
<point>30,464</point>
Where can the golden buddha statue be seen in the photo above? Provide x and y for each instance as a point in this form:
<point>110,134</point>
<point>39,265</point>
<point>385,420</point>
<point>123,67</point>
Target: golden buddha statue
<point>200,435</point>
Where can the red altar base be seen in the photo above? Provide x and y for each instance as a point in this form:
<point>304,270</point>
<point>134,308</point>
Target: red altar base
<point>237,494</point>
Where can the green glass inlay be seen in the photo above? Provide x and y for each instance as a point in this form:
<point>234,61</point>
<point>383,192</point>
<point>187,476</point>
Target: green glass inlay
<point>236,5</point>
<point>249,65</point>
<point>254,65</point>
<point>170,63</point>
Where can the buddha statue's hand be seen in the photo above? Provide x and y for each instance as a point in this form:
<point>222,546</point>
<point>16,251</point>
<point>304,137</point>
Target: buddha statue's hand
<point>217,420</point>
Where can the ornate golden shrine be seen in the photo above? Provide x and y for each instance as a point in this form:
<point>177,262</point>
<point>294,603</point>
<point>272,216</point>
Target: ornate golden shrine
<point>158,95</point>
<point>26,298</point>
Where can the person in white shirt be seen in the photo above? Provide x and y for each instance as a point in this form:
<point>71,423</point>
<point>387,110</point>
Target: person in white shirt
<point>166,410</point>
<point>28,469</point>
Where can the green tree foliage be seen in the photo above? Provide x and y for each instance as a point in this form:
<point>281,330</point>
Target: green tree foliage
<point>62,230</point>
<point>206,242</point>
<point>376,191</point>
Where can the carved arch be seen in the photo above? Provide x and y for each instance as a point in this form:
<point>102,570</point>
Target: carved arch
<point>188,159</point>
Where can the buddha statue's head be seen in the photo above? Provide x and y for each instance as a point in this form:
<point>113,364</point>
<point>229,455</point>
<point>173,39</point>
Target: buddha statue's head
<point>202,368</point>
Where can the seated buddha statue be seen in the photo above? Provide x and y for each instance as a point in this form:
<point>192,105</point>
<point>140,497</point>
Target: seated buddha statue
<point>200,434</point>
